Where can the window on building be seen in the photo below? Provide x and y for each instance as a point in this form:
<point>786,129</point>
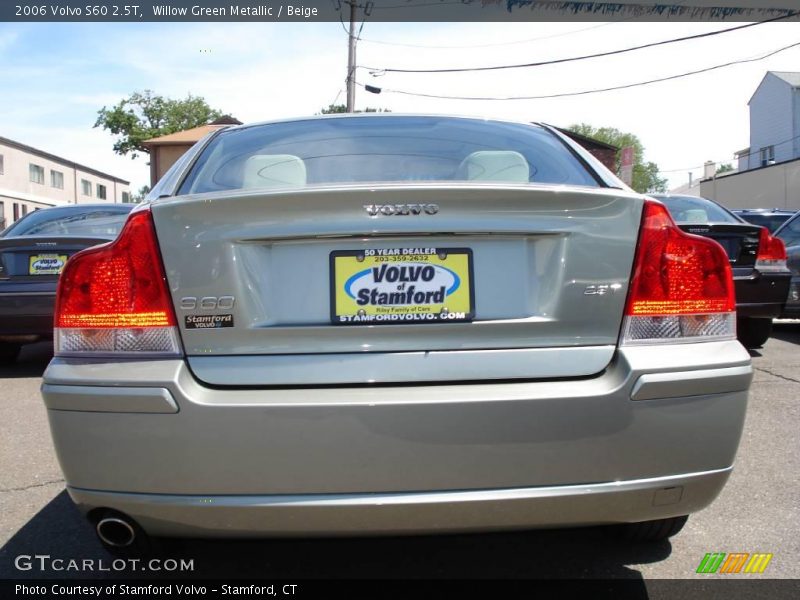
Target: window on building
<point>86,187</point>
<point>1,165</point>
<point>767,156</point>
<point>57,179</point>
<point>2,216</point>
<point>36,173</point>
<point>126,197</point>
<point>16,211</point>
<point>24,209</point>
<point>101,191</point>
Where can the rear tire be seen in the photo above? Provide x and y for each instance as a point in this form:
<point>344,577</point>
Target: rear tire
<point>9,353</point>
<point>753,332</point>
<point>652,531</point>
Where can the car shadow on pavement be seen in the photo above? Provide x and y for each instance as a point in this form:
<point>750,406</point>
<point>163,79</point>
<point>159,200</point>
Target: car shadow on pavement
<point>32,361</point>
<point>787,331</point>
<point>59,531</point>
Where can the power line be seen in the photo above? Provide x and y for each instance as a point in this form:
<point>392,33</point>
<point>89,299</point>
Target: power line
<point>494,45</point>
<point>586,56</point>
<point>378,90</point>
<point>678,3</point>
<point>747,155</point>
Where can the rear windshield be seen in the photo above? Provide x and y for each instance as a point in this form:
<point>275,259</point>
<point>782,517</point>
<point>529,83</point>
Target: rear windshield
<point>790,232</point>
<point>383,149</point>
<point>101,222</point>
<point>771,222</point>
<point>687,209</point>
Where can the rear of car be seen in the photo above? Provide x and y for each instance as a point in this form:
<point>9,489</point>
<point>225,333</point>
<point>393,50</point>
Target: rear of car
<point>390,324</point>
<point>789,234</point>
<point>33,252</point>
<point>758,260</point>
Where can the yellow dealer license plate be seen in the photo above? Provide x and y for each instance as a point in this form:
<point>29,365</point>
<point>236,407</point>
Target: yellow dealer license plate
<point>389,286</point>
<point>46,264</point>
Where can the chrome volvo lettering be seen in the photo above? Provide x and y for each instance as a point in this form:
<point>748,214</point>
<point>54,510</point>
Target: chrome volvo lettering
<point>601,290</point>
<point>207,302</point>
<point>374,210</point>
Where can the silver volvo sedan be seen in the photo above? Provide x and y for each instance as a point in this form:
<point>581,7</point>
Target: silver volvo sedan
<point>386,324</point>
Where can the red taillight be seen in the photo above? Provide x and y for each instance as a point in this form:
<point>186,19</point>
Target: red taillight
<point>114,297</point>
<point>771,252</point>
<point>682,285</point>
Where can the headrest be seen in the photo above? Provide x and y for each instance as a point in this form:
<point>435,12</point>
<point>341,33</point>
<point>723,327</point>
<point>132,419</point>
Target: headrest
<point>274,170</point>
<point>496,165</point>
<point>695,215</point>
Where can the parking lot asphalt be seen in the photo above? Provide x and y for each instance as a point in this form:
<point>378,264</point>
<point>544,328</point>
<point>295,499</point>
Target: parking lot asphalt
<point>758,511</point>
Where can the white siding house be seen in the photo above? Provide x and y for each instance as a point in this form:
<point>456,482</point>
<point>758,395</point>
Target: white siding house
<point>775,120</point>
<point>768,174</point>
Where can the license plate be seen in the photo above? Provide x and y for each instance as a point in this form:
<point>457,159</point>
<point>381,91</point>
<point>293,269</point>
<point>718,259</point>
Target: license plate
<point>390,286</point>
<point>46,264</point>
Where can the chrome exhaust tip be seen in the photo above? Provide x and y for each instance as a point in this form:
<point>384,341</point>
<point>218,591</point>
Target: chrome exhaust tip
<point>116,532</point>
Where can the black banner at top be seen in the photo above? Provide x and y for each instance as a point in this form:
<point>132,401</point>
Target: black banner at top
<point>393,10</point>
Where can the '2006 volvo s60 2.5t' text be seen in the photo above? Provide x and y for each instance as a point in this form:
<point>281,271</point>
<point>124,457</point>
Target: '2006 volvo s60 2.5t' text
<point>386,324</point>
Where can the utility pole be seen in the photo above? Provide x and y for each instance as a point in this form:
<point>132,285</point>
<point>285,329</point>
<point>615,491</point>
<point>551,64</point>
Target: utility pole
<point>351,60</point>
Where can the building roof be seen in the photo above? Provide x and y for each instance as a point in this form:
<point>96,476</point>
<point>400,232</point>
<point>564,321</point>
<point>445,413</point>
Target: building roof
<point>188,136</point>
<point>58,159</point>
<point>790,77</point>
<point>226,120</point>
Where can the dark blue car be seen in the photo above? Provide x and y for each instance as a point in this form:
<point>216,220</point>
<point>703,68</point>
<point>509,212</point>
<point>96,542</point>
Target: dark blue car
<point>33,252</point>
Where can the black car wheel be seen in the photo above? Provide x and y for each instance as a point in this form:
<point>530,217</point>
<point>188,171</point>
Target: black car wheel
<point>8,353</point>
<point>753,332</point>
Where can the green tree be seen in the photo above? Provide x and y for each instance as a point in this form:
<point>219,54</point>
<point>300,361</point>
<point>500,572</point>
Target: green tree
<point>645,174</point>
<point>334,109</point>
<point>140,195</point>
<point>725,168</point>
<point>145,115</point>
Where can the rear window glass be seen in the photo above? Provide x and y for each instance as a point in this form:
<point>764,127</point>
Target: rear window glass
<point>383,149</point>
<point>686,209</point>
<point>771,222</point>
<point>790,232</point>
<point>104,223</point>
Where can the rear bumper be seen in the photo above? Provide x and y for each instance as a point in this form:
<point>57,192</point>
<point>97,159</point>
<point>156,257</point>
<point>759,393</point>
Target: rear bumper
<point>653,436</point>
<point>412,513</point>
<point>25,313</point>
<point>761,294</point>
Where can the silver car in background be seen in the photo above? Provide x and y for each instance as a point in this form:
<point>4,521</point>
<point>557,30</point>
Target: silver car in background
<point>387,324</point>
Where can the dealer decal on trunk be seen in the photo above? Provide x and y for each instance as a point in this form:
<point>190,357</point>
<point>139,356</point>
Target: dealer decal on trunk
<point>401,285</point>
<point>208,321</point>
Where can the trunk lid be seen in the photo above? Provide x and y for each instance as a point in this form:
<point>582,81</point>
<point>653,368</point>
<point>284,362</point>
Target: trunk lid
<point>549,267</point>
<point>740,241</point>
<point>39,258</point>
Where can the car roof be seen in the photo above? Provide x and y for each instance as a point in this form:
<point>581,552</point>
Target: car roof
<point>94,206</point>
<point>783,211</point>
<point>373,115</point>
<point>681,197</point>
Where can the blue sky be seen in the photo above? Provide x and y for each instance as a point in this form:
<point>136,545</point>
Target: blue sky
<point>56,77</point>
